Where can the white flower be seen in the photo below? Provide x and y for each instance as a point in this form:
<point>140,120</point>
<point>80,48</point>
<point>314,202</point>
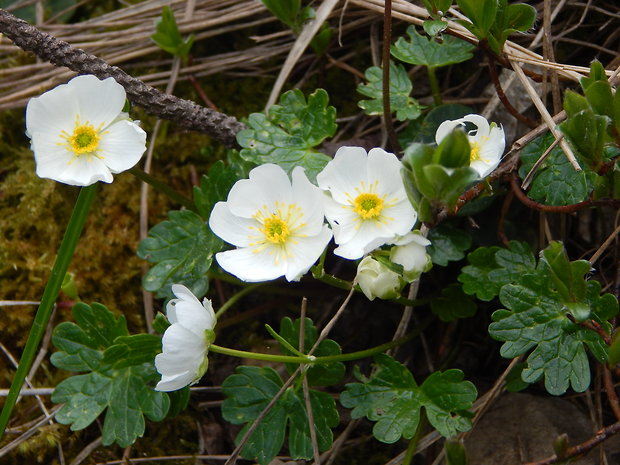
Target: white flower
<point>186,342</point>
<point>487,142</point>
<point>377,280</point>
<point>79,134</point>
<point>368,205</point>
<point>410,252</point>
<point>277,227</point>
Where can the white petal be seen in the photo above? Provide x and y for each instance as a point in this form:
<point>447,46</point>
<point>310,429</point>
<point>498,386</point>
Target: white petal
<point>344,174</point>
<point>384,173</point>
<point>481,123</point>
<point>122,145</point>
<point>305,252</point>
<point>173,383</point>
<point>52,112</point>
<point>100,102</point>
<point>446,128</point>
<point>344,222</point>
<point>267,185</point>
<point>235,230</point>
<point>309,199</point>
<point>402,217</point>
<point>83,171</point>
<point>367,238</point>
<point>194,317</point>
<point>252,266</point>
<point>170,364</point>
<point>179,340</point>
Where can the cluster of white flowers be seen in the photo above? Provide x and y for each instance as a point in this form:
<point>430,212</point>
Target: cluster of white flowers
<point>277,224</point>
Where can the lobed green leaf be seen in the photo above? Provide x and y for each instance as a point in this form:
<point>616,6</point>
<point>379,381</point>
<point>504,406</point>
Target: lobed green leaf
<point>420,50</point>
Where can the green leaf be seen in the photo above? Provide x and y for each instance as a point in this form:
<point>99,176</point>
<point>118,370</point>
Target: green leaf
<point>182,249</point>
<point>600,97</point>
<point>120,375</point>
<point>556,182</point>
<point>518,17</point>
<point>323,374</point>
<point>285,10</point>
<point>536,318</point>
<point>429,52</point>
<point>392,399</point>
<point>406,107</point>
<point>168,37</point>
<point>490,268</point>
<point>453,304</point>
<point>448,244</point>
<point>481,13</point>
<point>597,73</point>
<point>214,187</point>
<point>287,135</point>
<point>250,389</point>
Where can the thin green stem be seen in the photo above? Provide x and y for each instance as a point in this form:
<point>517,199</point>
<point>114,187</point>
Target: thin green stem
<point>287,345</point>
<point>233,300</point>
<point>413,443</point>
<point>164,189</point>
<point>50,294</point>
<point>434,83</point>
<point>326,359</point>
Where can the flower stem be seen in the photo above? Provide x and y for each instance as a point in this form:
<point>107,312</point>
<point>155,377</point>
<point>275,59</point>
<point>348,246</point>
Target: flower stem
<point>233,300</point>
<point>326,359</point>
<point>163,188</point>
<point>434,84</point>
<point>413,443</point>
<point>50,294</point>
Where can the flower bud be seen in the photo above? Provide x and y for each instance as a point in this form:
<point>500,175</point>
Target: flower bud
<point>410,252</point>
<point>377,280</point>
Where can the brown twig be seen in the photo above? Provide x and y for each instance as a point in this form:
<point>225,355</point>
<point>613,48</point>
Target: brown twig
<point>387,111</point>
<point>188,114</point>
<point>612,396</point>
<point>583,448</point>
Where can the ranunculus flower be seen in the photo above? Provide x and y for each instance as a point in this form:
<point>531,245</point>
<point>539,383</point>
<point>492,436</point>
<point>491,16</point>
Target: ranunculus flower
<point>277,226</point>
<point>487,142</point>
<point>366,203</point>
<point>79,133</point>
<point>377,280</point>
<point>410,252</point>
<point>186,342</point>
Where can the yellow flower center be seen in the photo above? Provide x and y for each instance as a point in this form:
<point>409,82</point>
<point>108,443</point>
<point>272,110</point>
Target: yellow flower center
<point>368,206</point>
<point>276,230</point>
<point>84,139</point>
<point>475,152</point>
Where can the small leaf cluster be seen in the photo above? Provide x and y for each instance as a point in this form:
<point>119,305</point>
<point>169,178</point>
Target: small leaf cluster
<point>547,304</point>
<point>435,177</point>
<point>593,119</point>
<point>118,375</point>
<point>493,21</point>
<point>392,399</point>
<point>250,389</point>
<point>291,13</point>
<point>288,134</point>
<point>168,38</point>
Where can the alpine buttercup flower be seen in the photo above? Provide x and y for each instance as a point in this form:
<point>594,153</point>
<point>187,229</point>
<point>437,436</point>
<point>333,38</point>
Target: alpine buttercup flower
<point>366,203</point>
<point>487,142</point>
<point>410,252</point>
<point>186,342</point>
<point>377,280</point>
<point>277,226</point>
<point>79,133</point>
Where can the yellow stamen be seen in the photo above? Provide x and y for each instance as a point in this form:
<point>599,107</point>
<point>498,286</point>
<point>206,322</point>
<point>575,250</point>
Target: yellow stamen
<point>84,139</point>
<point>368,206</point>
<point>475,152</point>
<point>276,230</point>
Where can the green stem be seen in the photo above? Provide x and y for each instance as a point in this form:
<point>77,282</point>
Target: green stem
<point>326,359</point>
<point>50,294</point>
<point>163,188</point>
<point>233,300</point>
<point>434,83</point>
<point>413,443</point>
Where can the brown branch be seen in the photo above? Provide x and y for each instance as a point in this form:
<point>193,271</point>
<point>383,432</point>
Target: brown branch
<point>387,112</point>
<point>611,392</point>
<point>583,448</point>
<point>188,114</point>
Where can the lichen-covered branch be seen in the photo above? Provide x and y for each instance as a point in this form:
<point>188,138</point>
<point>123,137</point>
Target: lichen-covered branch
<point>186,113</point>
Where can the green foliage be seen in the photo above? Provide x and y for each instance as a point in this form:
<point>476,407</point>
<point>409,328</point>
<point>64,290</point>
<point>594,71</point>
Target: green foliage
<point>494,20</point>
<point>491,267</point>
<point>288,133</point>
<point>392,399</point>
<point>448,244</point>
<point>213,188</point>
<point>455,452</point>
<point>420,50</point>
<point>323,374</point>
<point>406,107</point>
<point>182,249</point>
<point>424,131</point>
<point>453,304</point>
<point>556,182</point>
<point>168,37</point>
<point>435,7</point>
<point>286,11</point>
<point>121,372</point>
<point>52,8</point>
<point>249,391</point>
<point>543,311</point>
